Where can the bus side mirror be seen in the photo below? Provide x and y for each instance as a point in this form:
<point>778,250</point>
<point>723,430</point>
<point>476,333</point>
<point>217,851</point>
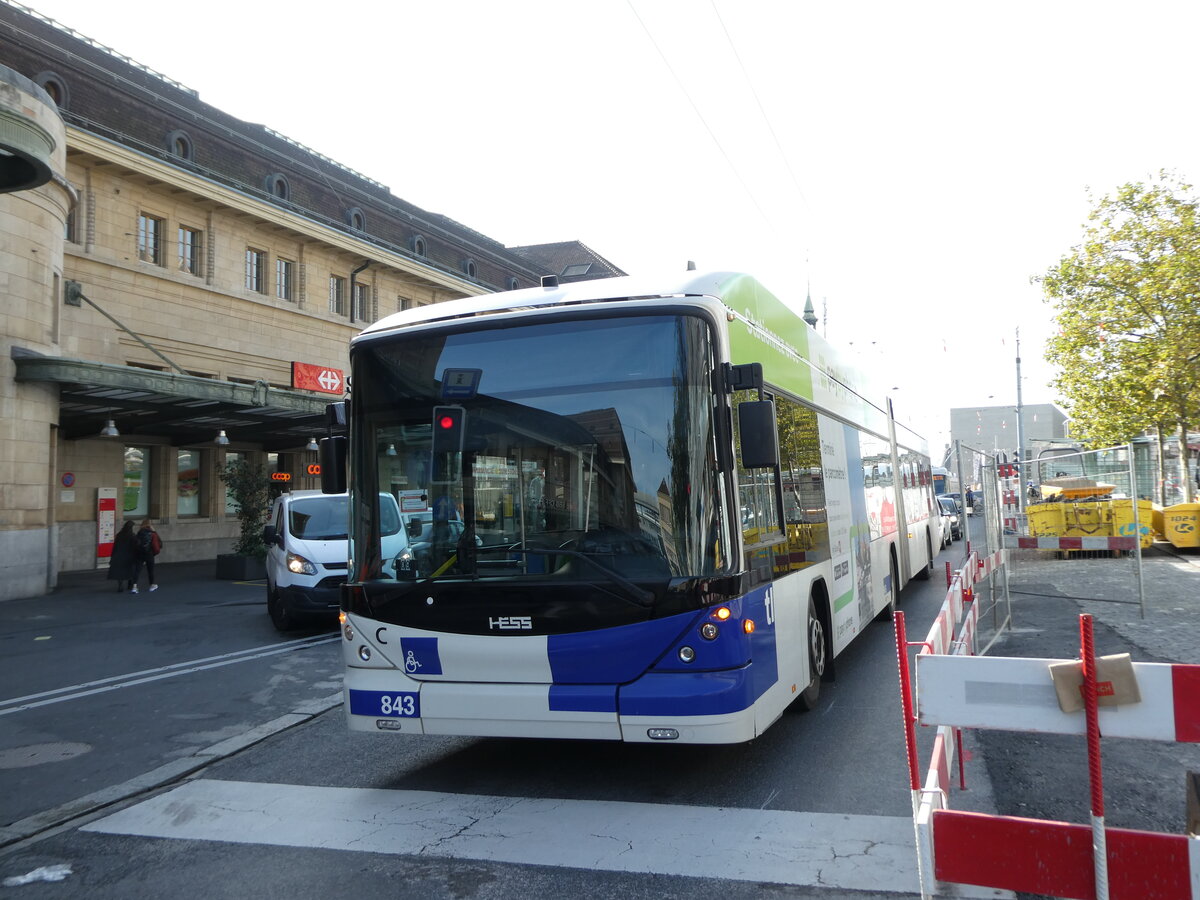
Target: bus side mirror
<point>332,453</point>
<point>756,431</point>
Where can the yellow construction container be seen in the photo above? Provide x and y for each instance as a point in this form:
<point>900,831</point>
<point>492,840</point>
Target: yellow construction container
<point>1045,519</point>
<point>1181,524</point>
<point>1086,520</point>
<point>1121,519</point>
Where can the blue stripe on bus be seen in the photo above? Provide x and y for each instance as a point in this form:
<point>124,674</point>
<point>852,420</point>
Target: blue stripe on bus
<point>621,656</point>
<point>759,605</point>
<point>583,698</point>
<point>612,655</point>
<point>689,694</point>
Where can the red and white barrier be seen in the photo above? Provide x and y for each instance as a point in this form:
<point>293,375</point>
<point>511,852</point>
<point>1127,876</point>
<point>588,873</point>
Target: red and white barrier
<point>1069,543</point>
<point>1061,859</point>
<point>1016,694</point>
<point>953,632</point>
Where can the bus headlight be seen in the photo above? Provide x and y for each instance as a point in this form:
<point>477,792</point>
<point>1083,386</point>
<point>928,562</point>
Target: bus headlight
<point>687,654</point>
<point>301,566</point>
<point>364,653</point>
<point>347,631</point>
<point>709,631</point>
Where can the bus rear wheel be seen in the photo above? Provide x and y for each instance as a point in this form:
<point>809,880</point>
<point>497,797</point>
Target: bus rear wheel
<point>818,657</point>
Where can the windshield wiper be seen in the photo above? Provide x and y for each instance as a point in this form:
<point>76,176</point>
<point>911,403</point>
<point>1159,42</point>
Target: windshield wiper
<point>637,595</point>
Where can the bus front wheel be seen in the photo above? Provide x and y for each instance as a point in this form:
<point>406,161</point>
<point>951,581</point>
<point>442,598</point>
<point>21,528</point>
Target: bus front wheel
<point>818,657</point>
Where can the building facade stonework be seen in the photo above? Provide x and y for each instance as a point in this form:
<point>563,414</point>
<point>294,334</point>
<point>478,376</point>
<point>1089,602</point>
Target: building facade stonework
<point>163,284</point>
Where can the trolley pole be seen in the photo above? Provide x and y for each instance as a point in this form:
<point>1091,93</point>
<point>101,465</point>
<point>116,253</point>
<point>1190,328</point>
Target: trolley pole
<point>1022,470</point>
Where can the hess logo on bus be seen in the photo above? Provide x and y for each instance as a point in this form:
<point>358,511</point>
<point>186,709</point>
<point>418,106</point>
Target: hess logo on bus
<point>511,623</point>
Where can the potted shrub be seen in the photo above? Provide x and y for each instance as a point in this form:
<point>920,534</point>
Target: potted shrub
<point>247,486</point>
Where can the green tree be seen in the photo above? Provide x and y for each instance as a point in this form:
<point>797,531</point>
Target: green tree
<point>248,486</point>
<point>1127,307</point>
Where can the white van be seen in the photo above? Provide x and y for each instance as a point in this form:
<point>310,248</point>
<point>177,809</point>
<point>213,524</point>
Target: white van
<point>307,552</point>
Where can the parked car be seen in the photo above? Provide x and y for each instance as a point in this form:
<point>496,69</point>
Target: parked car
<point>307,552</point>
<point>952,511</point>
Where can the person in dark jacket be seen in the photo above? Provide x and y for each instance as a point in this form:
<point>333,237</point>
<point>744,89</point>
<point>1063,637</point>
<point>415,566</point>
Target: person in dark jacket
<point>145,539</point>
<point>124,554</point>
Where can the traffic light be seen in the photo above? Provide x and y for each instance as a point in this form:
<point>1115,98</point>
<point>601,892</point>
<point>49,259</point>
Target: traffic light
<point>449,427</point>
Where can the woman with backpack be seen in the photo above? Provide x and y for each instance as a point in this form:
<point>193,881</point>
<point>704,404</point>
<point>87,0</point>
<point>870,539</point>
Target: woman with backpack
<point>148,546</point>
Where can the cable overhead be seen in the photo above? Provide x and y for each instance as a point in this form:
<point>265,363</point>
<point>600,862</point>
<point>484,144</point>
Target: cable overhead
<point>762,111</point>
<point>700,116</point>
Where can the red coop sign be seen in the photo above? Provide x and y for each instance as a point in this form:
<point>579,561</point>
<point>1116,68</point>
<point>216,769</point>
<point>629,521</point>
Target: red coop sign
<point>308,377</point>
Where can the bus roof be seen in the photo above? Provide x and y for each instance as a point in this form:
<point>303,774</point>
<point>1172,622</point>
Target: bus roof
<point>762,329</point>
<point>598,290</point>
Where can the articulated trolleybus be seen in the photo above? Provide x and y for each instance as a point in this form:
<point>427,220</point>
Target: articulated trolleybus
<point>635,511</point>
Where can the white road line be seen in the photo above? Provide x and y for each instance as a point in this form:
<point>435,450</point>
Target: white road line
<point>848,852</point>
<point>117,682</point>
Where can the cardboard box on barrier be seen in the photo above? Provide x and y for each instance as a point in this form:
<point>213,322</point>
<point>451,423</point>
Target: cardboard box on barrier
<point>1116,685</point>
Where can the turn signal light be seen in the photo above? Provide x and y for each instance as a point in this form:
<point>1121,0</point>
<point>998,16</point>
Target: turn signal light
<point>722,613</point>
<point>748,626</point>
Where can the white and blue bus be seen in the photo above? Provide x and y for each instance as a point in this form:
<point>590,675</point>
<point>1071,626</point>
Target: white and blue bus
<point>649,512</point>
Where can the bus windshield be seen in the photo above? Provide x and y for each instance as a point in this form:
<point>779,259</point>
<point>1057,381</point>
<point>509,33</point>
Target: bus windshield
<point>579,449</point>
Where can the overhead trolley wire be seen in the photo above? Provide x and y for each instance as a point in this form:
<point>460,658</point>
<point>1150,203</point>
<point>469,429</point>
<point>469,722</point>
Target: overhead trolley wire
<point>700,116</point>
<point>761,109</point>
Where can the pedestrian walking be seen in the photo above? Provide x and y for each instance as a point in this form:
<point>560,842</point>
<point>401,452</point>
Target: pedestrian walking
<point>148,546</point>
<point>122,561</point>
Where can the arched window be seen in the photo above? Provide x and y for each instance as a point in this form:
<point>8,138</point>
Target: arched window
<point>277,186</point>
<point>179,144</point>
<point>53,84</point>
<point>418,245</point>
<point>355,219</point>
<point>469,267</point>
<point>512,283</point>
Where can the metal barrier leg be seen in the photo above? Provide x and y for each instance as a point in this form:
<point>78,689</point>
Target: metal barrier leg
<point>1095,772</point>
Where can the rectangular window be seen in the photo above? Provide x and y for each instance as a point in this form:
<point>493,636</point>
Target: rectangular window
<point>402,303</point>
<point>149,239</point>
<point>191,244</point>
<point>361,292</point>
<point>285,275</point>
<point>256,270</point>
<point>760,508</point>
<point>187,480</point>
<point>70,228</point>
<point>805,513</point>
<point>337,295</point>
<point>137,482</point>
<point>231,505</point>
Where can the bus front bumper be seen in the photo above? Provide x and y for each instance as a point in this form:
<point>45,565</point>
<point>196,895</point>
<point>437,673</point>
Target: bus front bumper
<point>652,708</point>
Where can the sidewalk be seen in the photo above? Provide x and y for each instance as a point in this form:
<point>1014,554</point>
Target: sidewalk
<point>180,581</point>
<point>1106,590</point>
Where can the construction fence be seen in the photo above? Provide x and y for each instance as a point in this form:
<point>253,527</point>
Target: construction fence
<point>1070,523</point>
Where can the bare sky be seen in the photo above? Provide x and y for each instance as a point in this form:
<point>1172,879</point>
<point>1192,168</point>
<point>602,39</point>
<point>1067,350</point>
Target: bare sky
<point>915,163</point>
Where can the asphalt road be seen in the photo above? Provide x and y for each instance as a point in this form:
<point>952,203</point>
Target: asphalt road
<point>174,744</point>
